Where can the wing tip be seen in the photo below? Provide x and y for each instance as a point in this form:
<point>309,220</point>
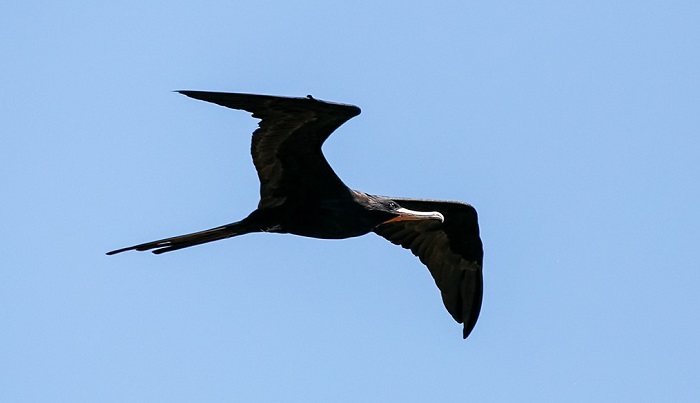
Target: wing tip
<point>223,97</point>
<point>467,331</point>
<point>188,93</point>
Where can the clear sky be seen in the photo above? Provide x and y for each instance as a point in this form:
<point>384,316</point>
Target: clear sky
<point>572,126</point>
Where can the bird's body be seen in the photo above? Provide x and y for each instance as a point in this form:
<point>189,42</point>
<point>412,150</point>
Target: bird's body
<point>301,195</point>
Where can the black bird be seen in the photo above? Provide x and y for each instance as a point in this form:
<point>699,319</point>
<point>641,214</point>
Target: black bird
<point>300,194</point>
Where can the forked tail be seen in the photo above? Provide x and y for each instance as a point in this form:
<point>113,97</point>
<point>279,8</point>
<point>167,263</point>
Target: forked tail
<point>185,241</point>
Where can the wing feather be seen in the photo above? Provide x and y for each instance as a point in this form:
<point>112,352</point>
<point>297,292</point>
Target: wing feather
<point>451,250</point>
<point>286,146</point>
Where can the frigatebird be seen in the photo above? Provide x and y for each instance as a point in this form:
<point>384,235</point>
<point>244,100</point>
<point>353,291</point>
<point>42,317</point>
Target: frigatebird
<point>300,194</point>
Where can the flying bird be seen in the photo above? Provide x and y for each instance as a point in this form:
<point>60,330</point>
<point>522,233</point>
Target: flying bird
<point>300,194</point>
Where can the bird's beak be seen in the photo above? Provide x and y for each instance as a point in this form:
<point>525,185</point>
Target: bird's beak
<point>409,215</point>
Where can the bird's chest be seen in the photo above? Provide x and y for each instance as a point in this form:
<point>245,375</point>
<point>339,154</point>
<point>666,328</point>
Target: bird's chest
<point>327,220</point>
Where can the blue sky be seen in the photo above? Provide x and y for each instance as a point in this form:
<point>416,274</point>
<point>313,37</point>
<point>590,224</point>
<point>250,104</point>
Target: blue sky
<point>572,127</point>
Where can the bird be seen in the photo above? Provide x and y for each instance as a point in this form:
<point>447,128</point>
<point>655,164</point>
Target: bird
<point>300,194</point>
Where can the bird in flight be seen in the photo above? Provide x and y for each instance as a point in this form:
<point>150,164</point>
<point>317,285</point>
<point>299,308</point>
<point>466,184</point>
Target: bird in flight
<point>300,194</point>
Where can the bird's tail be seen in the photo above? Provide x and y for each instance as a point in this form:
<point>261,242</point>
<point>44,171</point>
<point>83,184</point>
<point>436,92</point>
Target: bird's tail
<point>185,241</point>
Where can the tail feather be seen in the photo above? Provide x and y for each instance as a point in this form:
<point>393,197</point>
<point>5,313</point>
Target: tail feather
<point>185,241</point>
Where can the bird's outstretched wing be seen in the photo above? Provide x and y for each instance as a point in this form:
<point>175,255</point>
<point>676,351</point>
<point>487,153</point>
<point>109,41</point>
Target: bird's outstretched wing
<point>286,147</point>
<point>452,250</point>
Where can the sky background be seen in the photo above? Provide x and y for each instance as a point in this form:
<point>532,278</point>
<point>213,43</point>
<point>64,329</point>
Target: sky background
<point>572,127</point>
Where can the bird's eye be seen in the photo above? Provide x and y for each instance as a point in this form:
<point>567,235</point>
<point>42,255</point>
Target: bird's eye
<point>393,205</point>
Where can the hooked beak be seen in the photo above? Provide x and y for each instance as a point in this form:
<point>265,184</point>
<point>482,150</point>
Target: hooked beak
<point>410,215</point>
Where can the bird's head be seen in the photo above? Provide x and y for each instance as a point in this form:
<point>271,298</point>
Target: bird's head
<point>390,210</point>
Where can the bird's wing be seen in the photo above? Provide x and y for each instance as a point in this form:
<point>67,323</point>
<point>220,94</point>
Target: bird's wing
<point>452,250</point>
<point>286,147</point>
